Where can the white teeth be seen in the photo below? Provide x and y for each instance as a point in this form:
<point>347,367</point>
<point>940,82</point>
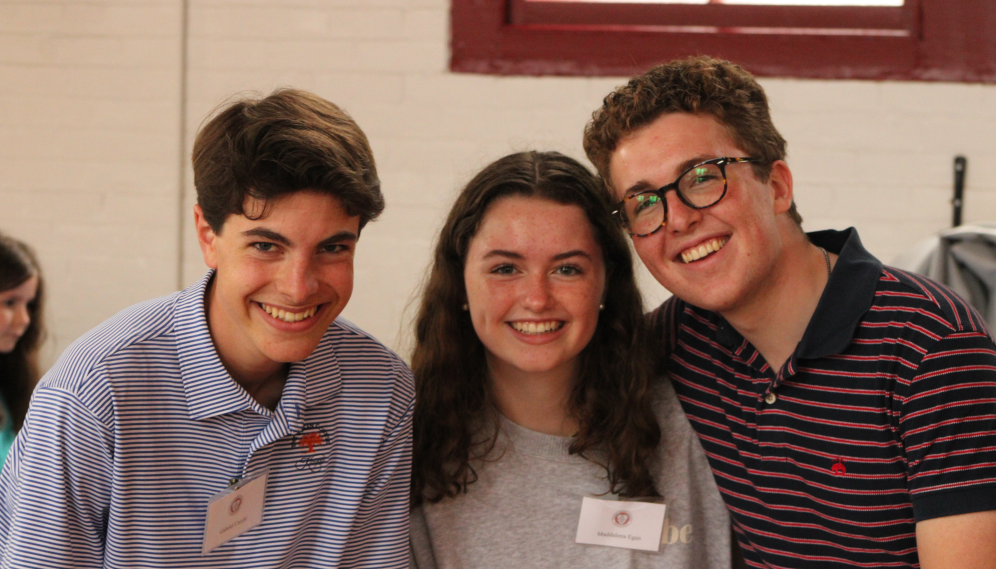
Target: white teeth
<point>537,327</point>
<point>703,250</point>
<point>288,316</point>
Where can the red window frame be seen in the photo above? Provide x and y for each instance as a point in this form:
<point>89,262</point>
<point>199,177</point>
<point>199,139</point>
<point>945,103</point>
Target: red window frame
<point>937,40</point>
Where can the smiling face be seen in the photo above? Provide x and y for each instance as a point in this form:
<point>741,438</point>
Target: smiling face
<point>14,314</point>
<point>722,258</point>
<point>281,279</point>
<point>535,277</point>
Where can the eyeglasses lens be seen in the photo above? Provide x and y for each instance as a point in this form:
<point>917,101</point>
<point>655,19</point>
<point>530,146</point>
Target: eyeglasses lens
<point>701,187</point>
<point>644,213</point>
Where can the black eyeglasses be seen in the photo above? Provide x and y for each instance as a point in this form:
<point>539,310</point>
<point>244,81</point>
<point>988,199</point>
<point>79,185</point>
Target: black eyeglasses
<point>698,187</point>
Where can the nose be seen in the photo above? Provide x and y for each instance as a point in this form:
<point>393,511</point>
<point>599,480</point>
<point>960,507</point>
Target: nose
<point>298,280</point>
<point>680,217</point>
<point>537,293</point>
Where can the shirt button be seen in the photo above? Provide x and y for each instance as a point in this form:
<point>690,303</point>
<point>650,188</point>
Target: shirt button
<point>770,398</point>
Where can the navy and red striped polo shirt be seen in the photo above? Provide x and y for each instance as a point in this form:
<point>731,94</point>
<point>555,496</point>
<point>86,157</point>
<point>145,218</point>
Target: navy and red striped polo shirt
<point>884,416</point>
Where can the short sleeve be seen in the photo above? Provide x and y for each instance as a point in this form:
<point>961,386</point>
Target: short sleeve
<point>948,427</point>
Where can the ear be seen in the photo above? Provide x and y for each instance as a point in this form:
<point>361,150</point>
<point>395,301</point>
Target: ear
<point>780,182</point>
<point>206,238</point>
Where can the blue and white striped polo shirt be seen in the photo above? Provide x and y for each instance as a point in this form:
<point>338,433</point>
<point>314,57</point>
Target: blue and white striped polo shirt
<point>138,424</point>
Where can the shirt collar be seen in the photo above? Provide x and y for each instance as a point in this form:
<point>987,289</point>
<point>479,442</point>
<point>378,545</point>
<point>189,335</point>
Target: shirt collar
<point>847,297</point>
<point>211,391</point>
<point>845,300</point>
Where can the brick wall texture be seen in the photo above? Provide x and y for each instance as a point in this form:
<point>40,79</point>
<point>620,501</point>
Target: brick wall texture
<point>99,106</point>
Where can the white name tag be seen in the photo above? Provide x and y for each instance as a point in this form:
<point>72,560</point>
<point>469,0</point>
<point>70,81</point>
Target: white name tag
<point>234,511</point>
<point>632,525</point>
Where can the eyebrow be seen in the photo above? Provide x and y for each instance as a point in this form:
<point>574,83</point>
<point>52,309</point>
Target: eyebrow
<point>502,253</point>
<point>342,236</point>
<point>558,257</point>
<point>569,254</point>
<point>271,235</point>
<point>266,234</point>
<point>643,185</point>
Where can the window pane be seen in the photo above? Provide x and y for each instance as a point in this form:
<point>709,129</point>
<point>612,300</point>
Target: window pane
<point>756,2</point>
<point>815,2</point>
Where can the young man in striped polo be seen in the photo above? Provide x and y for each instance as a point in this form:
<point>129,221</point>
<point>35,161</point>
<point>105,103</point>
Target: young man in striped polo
<point>848,409</point>
<point>237,423</point>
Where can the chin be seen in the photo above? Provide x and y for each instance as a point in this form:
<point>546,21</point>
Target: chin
<point>291,353</point>
<point>534,366</point>
<point>710,302</point>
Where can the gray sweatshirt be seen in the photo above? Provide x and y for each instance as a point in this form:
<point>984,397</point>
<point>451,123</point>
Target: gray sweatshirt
<point>523,511</point>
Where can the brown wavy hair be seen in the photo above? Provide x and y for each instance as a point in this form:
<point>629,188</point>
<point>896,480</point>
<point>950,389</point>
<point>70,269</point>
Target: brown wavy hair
<point>611,398</point>
<point>19,368</point>
<point>696,85</point>
<point>286,142</point>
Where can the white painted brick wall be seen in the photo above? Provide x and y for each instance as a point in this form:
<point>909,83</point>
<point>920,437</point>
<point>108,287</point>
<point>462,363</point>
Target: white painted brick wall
<point>89,151</point>
<point>89,137</point>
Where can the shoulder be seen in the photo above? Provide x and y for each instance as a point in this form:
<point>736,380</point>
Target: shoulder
<point>670,416</point>
<point>364,358</point>
<point>915,300</point>
<point>675,323</point>
<point>353,345</point>
<point>674,313</point>
<point>124,333</point>
<point>80,376</point>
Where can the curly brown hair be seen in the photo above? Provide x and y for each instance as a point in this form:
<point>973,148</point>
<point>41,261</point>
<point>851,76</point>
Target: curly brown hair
<point>19,368</point>
<point>697,85</point>
<point>288,141</point>
<point>611,398</point>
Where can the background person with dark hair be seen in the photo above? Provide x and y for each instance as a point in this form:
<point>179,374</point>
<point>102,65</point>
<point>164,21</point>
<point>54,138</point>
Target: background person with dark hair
<point>534,389</point>
<point>21,332</point>
<point>238,423</point>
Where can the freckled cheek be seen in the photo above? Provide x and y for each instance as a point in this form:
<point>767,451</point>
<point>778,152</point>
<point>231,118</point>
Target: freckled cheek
<point>490,306</point>
<point>339,278</point>
<point>650,249</point>
<point>582,301</point>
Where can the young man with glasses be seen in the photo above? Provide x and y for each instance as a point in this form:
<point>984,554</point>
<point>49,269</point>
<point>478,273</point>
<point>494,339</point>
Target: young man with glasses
<point>238,423</point>
<point>848,409</point>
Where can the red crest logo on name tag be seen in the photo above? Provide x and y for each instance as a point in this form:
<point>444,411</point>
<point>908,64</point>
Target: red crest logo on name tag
<point>621,518</point>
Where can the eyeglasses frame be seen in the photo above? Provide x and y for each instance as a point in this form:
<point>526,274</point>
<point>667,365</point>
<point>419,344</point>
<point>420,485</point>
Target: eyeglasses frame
<point>620,211</point>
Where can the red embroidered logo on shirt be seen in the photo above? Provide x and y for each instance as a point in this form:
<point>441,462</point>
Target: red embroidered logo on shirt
<point>315,441</point>
<point>311,440</point>
<point>838,467</point>
<point>311,436</point>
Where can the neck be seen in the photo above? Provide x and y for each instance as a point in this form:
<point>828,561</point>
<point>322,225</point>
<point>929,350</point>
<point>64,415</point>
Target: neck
<point>776,320</point>
<point>262,378</point>
<point>535,400</point>
<point>266,390</point>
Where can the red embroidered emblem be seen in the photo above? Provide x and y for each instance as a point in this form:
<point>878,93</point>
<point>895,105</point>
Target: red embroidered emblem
<point>312,436</point>
<point>838,467</point>
<point>311,440</point>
